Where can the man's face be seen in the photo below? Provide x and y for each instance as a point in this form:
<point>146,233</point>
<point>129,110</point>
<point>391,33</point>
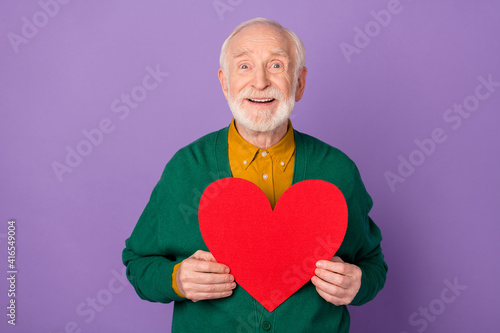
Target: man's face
<point>260,83</point>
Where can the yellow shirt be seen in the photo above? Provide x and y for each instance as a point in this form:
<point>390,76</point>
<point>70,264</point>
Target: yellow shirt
<point>270,169</point>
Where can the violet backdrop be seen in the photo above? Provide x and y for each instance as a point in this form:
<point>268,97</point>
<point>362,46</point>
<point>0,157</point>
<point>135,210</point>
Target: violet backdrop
<point>385,83</point>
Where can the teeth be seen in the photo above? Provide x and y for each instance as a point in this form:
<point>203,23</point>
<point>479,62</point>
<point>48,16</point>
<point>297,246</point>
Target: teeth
<point>261,100</point>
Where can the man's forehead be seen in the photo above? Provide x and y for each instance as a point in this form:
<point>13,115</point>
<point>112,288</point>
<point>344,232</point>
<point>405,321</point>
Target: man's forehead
<point>246,51</point>
<point>271,39</point>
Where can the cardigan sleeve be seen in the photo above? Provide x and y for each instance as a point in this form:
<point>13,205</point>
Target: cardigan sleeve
<point>368,256</point>
<point>149,262</point>
<point>167,231</point>
<point>361,246</point>
<point>373,267</point>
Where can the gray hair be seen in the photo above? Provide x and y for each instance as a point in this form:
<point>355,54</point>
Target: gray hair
<point>300,51</point>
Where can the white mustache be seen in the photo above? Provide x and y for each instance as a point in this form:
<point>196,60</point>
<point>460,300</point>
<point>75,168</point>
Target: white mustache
<point>250,93</point>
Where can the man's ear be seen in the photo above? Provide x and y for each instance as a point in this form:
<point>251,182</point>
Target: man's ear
<point>223,81</point>
<point>301,85</point>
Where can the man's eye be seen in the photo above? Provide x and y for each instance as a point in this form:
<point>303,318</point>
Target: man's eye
<point>276,67</point>
<point>244,66</point>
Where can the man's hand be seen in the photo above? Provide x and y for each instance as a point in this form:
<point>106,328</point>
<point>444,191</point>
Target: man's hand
<point>201,277</point>
<point>336,281</point>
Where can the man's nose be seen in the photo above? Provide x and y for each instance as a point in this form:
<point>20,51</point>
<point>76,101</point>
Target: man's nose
<point>261,78</point>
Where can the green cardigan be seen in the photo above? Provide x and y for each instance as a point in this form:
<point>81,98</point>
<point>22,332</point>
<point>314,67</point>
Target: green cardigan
<point>167,233</point>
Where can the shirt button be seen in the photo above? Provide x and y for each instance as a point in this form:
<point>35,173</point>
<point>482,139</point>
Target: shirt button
<point>264,154</point>
<point>266,326</point>
<point>245,162</point>
<point>265,176</point>
<point>282,163</point>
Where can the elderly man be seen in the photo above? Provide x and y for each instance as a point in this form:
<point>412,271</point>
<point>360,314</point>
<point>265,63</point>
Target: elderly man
<point>262,76</point>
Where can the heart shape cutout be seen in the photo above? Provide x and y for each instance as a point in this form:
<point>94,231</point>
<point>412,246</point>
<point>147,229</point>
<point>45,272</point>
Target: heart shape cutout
<point>272,253</point>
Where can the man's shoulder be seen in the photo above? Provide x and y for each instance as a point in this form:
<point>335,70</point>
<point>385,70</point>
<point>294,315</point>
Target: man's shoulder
<point>321,150</point>
<point>323,161</point>
<point>202,150</point>
<point>206,140</point>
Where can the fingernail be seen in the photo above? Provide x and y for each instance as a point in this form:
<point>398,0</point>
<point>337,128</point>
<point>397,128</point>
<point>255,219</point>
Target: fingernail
<point>319,264</point>
<point>226,270</point>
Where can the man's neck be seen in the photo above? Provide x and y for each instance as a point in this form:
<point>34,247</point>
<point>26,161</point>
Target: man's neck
<point>262,140</point>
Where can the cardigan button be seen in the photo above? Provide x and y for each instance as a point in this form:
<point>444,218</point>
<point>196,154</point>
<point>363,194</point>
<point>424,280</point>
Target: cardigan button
<point>266,326</point>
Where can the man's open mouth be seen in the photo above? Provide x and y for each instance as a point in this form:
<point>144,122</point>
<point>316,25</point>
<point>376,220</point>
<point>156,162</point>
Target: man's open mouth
<point>261,100</point>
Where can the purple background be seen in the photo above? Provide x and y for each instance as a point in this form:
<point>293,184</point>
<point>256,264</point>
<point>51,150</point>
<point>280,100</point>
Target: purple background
<point>438,225</point>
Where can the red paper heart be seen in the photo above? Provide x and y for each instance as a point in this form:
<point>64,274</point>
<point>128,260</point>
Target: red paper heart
<point>272,254</point>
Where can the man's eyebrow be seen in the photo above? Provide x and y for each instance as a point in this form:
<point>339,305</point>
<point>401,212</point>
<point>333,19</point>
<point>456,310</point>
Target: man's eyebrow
<point>241,52</point>
<point>275,51</point>
<point>281,52</point>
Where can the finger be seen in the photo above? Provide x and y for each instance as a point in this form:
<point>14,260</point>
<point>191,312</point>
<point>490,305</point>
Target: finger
<point>330,289</point>
<point>333,278</point>
<point>209,267</point>
<point>336,259</point>
<point>199,272</point>
<point>197,283</point>
<point>203,255</point>
<point>197,292</point>
<point>336,267</point>
<point>211,278</point>
<point>206,296</point>
<point>214,288</point>
<point>186,275</point>
<point>332,299</point>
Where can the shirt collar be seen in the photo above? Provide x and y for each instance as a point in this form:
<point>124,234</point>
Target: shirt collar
<point>245,152</point>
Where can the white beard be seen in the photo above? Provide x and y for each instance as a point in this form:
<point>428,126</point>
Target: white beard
<point>264,121</point>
